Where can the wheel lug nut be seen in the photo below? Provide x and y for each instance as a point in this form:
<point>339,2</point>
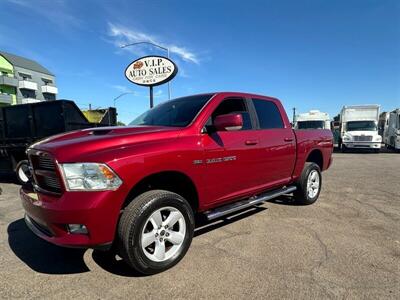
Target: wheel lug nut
<point>161,240</point>
<point>167,234</point>
<point>156,234</point>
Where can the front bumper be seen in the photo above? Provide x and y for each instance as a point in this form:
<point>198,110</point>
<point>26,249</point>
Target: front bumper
<point>48,216</point>
<point>363,145</point>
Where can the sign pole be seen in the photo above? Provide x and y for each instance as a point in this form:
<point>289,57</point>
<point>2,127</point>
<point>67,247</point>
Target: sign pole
<point>151,96</point>
<point>151,71</point>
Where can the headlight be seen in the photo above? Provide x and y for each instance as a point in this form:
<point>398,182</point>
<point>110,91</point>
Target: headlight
<point>346,138</point>
<point>378,138</point>
<point>89,177</point>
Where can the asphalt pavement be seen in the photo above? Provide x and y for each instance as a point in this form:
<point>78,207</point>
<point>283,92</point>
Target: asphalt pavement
<point>347,246</point>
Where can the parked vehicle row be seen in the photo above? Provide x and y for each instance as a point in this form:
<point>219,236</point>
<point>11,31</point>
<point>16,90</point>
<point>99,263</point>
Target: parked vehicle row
<point>357,127</point>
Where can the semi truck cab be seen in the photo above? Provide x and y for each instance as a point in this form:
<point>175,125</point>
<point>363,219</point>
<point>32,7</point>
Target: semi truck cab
<point>314,119</point>
<point>359,128</point>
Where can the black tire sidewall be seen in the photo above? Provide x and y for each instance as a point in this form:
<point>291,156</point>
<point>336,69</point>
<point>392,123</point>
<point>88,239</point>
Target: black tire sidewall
<point>141,261</point>
<point>309,170</point>
<point>302,186</point>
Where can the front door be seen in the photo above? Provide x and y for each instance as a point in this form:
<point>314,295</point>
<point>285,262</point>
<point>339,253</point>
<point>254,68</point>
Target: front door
<point>231,158</point>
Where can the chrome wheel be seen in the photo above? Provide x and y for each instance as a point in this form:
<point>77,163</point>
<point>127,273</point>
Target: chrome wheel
<point>23,172</point>
<point>313,183</point>
<point>163,234</point>
<point>22,175</point>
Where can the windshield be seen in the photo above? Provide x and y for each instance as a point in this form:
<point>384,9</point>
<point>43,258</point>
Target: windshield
<point>310,125</point>
<point>175,113</point>
<point>361,126</point>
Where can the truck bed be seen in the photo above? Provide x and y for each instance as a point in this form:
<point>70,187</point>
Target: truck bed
<point>312,139</point>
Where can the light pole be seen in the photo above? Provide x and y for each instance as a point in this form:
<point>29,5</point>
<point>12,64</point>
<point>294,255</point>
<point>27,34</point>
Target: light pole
<point>123,94</point>
<point>115,99</point>
<point>294,115</point>
<point>155,45</point>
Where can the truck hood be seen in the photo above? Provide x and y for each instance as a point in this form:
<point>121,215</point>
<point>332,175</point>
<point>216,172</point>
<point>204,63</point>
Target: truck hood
<point>75,145</point>
<point>358,133</point>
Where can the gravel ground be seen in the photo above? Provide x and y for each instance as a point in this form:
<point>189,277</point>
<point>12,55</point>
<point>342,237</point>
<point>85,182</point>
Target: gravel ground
<point>347,245</point>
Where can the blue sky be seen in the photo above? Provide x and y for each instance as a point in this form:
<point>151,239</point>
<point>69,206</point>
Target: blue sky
<point>310,54</point>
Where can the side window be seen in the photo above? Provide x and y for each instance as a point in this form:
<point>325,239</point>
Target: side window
<point>268,114</point>
<point>234,105</point>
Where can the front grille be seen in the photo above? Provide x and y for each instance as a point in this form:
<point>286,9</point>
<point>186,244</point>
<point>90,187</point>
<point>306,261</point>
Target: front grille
<point>363,138</point>
<point>45,173</point>
<point>46,163</point>
<point>54,183</point>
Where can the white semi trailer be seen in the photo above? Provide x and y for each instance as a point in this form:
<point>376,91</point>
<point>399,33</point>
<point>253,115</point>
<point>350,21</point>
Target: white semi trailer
<point>314,119</point>
<point>359,127</point>
<point>392,132</point>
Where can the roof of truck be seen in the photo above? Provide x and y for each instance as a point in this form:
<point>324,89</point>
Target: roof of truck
<point>362,106</point>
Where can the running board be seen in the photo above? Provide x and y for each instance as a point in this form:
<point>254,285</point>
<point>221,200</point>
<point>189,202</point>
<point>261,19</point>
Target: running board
<point>239,205</point>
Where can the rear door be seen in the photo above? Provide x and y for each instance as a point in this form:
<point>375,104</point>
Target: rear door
<point>231,157</point>
<point>277,143</point>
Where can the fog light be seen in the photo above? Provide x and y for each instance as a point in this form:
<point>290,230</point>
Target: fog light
<point>77,229</point>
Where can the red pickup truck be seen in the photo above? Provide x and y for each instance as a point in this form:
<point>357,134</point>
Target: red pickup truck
<point>139,186</point>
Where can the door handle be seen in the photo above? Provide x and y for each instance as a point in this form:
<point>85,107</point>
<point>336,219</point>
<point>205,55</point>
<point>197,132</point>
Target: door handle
<point>288,139</point>
<point>251,142</point>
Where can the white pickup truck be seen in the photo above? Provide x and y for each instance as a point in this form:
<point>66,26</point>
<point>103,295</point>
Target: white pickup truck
<point>359,127</point>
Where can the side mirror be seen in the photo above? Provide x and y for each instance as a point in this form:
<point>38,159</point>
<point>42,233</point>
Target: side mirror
<point>228,122</point>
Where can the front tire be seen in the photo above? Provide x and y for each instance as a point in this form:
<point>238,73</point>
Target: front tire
<point>155,230</point>
<point>309,184</point>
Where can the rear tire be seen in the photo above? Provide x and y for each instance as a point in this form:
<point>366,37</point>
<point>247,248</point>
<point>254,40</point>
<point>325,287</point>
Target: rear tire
<point>308,185</point>
<point>155,231</point>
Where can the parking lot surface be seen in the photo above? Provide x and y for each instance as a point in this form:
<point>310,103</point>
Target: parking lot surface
<point>347,245</point>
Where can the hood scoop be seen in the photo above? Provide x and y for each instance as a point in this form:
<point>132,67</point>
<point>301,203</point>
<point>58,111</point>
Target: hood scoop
<point>101,132</point>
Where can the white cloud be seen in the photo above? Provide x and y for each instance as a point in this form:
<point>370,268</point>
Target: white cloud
<point>123,35</point>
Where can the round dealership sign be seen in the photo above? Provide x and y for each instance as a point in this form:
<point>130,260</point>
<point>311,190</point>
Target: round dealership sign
<point>151,70</point>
